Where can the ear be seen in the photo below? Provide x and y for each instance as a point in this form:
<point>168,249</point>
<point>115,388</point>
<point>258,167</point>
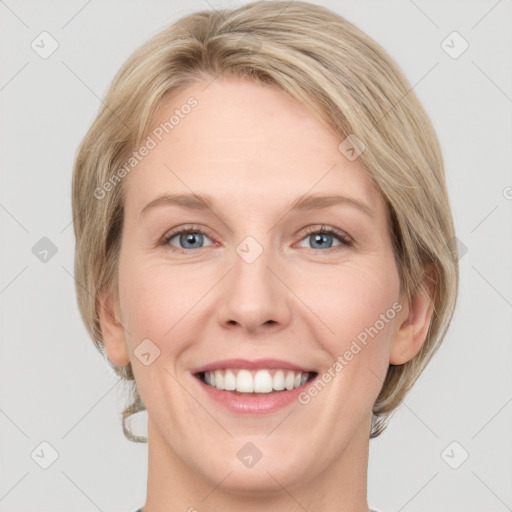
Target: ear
<point>413,321</point>
<point>112,329</point>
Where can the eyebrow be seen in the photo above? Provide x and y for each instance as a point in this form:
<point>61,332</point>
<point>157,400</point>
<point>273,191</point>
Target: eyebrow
<point>303,203</point>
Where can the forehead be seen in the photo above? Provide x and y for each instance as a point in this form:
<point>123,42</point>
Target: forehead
<point>244,142</point>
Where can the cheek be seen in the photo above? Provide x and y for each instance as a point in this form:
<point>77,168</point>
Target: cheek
<point>157,306</point>
<point>350,297</point>
<point>160,300</point>
<point>358,304</point>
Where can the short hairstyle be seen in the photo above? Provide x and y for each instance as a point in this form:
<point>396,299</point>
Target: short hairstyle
<point>346,80</point>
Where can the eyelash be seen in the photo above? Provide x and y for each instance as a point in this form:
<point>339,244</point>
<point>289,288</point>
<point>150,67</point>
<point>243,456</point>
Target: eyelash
<point>342,237</point>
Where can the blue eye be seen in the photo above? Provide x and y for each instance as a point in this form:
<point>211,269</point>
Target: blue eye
<point>193,238</point>
<point>323,236</point>
<point>187,238</point>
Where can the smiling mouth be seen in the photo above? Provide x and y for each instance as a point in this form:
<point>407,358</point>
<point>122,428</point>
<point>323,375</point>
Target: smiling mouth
<point>255,382</point>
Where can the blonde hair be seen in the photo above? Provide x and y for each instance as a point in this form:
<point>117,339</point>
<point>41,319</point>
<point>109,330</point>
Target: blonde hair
<point>344,78</point>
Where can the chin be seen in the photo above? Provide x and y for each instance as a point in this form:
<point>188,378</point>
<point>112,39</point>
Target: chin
<point>258,467</point>
<point>267,480</point>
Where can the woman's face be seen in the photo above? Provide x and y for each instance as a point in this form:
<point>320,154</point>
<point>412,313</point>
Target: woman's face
<point>255,280</point>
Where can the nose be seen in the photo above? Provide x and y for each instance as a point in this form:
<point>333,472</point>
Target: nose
<point>254,296</point>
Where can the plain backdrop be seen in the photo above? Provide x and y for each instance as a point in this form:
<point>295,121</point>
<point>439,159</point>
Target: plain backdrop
<point>449,445</point>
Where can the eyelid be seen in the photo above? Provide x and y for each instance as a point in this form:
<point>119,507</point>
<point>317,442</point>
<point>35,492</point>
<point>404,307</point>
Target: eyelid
<point>194,228</point>
<point>344,238</point>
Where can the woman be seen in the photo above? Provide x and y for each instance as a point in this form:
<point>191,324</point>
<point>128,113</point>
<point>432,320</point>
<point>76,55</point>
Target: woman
<point>263,246</point>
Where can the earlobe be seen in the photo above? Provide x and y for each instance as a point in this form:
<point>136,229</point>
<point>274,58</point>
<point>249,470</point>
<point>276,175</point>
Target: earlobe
<point>112,330</point>
<point>414,322</point>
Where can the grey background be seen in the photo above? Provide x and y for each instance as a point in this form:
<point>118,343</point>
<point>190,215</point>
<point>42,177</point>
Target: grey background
<point>55,387</point>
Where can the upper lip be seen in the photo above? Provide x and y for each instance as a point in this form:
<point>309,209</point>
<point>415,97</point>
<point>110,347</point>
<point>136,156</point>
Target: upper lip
<point>255,364</point>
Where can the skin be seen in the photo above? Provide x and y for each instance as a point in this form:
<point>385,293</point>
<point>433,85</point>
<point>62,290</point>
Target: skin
<point>256,150</point>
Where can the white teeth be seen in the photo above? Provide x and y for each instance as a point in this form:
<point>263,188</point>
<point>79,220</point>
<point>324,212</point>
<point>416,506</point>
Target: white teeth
<point>289,381</point>
<point>262,381</point>
<point>244,382</point>
<point>278,380</point>
<point>229,381</point>
<point>219,379</point>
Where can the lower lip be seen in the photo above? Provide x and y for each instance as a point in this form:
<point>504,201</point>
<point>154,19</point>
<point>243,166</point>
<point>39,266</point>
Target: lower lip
<point>253,403</point>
